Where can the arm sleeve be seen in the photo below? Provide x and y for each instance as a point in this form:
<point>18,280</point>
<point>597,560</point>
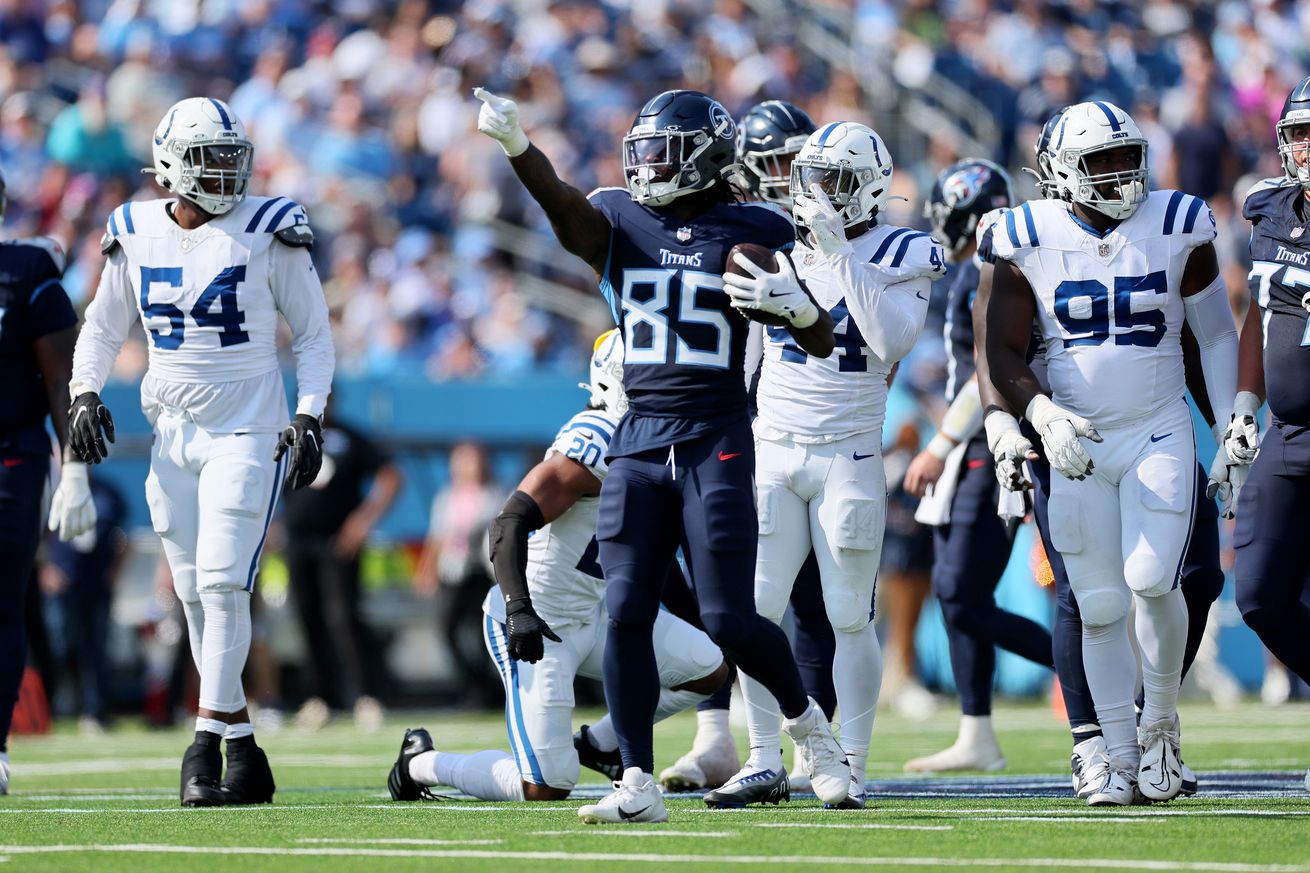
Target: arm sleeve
<point>1211,322</point>
<point>299,297</point>
<point>108,320</point>
<point>889,316</point>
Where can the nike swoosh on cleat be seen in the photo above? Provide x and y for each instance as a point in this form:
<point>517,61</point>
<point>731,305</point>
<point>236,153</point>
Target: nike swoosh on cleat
<point>728,456</point>
<point>629,816</point>
<point>1156,439</point>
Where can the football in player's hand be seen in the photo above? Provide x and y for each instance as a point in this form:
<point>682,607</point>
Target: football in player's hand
<point>763,258</point>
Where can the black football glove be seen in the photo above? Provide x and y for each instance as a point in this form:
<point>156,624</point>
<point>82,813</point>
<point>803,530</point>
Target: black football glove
<point>89,425</point>
<point>304,437</point>
<point>526,629</point>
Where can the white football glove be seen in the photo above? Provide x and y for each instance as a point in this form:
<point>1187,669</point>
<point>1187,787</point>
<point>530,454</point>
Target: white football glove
<point>1241,440</point>
<point>499,119</point>
<point>72,512</point>
<point>1009,448</point>
<point>1060,429</point>
<point>827,230</point>
<point>1225,482</point>
<point>778,293</point>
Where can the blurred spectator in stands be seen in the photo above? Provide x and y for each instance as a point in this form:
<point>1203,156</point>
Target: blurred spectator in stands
<point>84,138</point>
<point>454,561</point>
<point>77,581</point>
<point>326,527</point>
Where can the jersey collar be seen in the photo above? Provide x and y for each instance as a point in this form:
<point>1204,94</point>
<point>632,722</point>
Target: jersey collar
<point>1087,227</point>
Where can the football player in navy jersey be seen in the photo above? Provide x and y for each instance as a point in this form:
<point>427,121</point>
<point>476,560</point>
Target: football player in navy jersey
<point>37,330</point>
<point>1274,506</point>
<point>681,460</point>
<point>971,543</point>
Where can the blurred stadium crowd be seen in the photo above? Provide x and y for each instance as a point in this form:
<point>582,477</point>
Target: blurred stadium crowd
<point>436,262</point>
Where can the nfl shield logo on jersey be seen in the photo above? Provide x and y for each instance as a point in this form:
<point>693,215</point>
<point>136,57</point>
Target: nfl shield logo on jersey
<point>1296,232</point>
<point>1103,249</point>
<point>684,234</point>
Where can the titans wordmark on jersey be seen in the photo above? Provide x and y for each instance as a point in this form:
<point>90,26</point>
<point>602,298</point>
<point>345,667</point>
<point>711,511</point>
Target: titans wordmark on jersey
<point>684,346</point>
<point>1108,306</point>
<point>1280,282</point>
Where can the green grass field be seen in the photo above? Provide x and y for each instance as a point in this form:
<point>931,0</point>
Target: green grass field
<point>111,804</point>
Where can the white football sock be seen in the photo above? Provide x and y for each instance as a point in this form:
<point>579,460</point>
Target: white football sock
<point>1162,636</point>
<point>239,730</point>
<point>712,728</point>
<point>857,677</point>
<point>673,702</point>
<point>602,734</point>
<point>224,648</point>
<point>1112,677</point>
<point>211,725</point>
<point>489,775</point>
<point>764,720</point>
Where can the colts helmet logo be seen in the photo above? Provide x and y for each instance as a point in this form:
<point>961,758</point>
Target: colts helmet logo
<point>960,189</point>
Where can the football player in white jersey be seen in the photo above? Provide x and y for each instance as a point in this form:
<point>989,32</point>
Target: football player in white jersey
<point>819,476</point>
<point>207,273</point>
<point>546,622</point>
<point>1111,272</point>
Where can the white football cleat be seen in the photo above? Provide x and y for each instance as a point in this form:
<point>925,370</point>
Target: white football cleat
<point>800,780</point>
<point>1080,763</point>
<point>1114,782</point>
<point>1160,775</point>
<point>636,799</point>
<point>857,795</point>
<point>708,767</point>
<point>821,756</point>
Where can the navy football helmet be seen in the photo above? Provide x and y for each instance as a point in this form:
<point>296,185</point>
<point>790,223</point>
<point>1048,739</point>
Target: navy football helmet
<point>681,141</point>
<point>961,196</point>
<point>1296,112</point>
<point>768,137</point>
<point>1042,154</point>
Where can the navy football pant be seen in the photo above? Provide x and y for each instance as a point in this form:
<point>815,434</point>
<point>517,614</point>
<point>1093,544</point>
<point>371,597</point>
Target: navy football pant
<point>1273,555</point>
<point>812,638</point>
<point>969,557</point>
<point>680,600</point>
<point>22,483</point>
<point>698,495</point>
<point>1201,579</point>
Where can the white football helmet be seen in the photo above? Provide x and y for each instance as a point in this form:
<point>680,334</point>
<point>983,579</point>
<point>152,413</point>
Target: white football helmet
<point>850,163</point>
<point>202,154</point>
<point>606,385</point>
<point>1087,128</point>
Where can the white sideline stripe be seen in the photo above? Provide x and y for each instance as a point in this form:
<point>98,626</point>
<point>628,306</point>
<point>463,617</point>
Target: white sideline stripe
<point>856,827</point>
<point>619,857</point>
<point>399,841</point>
<point>635,833</point>
<point>1095,819</point>
<point>157,795</point>
<point>82,766</point>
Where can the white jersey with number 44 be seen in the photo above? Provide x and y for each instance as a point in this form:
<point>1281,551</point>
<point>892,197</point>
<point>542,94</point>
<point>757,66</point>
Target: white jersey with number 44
<point>818,400</point>
<point>1109,307</point>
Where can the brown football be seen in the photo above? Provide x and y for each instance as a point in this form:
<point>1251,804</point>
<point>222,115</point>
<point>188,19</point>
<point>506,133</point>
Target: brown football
<point>763,258</point>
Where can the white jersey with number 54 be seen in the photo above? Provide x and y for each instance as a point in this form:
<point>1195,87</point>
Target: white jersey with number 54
<point>1109,307</point>
<point>209,300</point>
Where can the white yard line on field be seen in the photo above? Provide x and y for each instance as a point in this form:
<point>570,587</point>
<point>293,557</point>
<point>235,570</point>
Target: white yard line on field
<point>397,841</point>
<point>609,832</point>
<point>620,857</point>
<point>855,827</point>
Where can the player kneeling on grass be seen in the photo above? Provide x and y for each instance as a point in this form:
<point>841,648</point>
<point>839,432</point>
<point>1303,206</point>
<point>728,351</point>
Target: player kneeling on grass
<point>546,623</point>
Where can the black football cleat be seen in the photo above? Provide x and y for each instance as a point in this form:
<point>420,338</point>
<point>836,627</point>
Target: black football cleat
<point>608,764</point>
<point>249,778</point>
<point>202,767</point>
<point>401,785</point>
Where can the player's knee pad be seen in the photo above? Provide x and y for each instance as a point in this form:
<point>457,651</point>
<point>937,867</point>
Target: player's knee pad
<point>848,609</point>
<point>1147,575</point>
<point>1103,606</point>
<point>236,519</point>
<point>161,507</point>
